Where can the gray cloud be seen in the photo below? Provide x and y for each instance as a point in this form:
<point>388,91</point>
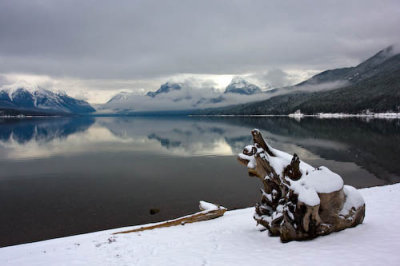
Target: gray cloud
<point>148,39</point>
<point>275,78</point>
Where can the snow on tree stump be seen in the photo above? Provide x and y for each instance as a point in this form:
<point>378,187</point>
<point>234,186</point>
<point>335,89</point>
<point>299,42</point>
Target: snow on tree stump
<point>299,201</point>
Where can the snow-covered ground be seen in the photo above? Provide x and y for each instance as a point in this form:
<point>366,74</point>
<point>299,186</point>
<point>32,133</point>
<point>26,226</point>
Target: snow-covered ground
<point>387,115</point>
<point>230,240</point>
<point>368,115</point>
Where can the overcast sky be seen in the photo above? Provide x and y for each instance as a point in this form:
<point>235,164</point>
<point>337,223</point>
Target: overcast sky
<point>93,49</point>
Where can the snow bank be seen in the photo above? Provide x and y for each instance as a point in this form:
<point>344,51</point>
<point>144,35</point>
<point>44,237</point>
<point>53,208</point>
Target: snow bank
<point>230,240</point>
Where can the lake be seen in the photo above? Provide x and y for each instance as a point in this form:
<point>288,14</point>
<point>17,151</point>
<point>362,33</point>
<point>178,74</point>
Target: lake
<point>66,176</point>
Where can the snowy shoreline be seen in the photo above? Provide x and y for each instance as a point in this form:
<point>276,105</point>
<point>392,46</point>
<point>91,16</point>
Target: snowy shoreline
<point>319,115</point>
<point>230,240</point>
<point>294,115</point>
<point>27,116</point>
<point>345,115</point>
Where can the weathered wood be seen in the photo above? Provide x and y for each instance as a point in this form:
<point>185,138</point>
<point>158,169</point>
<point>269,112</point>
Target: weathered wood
<point>281,211</point>
<point>258,139</point>
<point>196,217</point>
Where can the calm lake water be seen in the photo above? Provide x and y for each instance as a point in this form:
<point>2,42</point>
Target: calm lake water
<point>66,176</point>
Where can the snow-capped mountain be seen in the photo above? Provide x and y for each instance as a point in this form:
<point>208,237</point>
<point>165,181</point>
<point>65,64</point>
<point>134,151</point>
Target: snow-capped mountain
<point>241,86</point>
<point>42,100</point>
<point>183,96</point>
<point>119,97</point>
<point>165,88</point>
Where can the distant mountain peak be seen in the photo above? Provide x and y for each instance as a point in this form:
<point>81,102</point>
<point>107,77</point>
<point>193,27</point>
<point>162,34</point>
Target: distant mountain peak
<point>39,99</point>
<point>378,58</point>
<point>241,86</point>
<point>238,80</point>
<point>390,50</point>
<point>165,88</point>
<point>121,96</point>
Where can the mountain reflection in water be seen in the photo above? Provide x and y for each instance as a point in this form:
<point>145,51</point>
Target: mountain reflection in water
<point>371,145</point>
<point>41,129</point>
<point>64,176</point>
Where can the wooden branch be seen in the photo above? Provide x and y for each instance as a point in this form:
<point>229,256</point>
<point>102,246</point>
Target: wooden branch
<point>196,217</point>
<point>258,139</point>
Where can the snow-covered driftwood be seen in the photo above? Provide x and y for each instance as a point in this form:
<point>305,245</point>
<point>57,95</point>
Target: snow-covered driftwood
<point>299,201</point>
<point>208,211</point>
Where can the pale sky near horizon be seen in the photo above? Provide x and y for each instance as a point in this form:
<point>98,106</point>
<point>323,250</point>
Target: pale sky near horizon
<point>94,49</point>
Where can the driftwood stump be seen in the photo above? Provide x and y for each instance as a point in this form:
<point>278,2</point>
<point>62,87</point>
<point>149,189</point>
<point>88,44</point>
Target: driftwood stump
<point>208,211</point>
<point>298,201</point>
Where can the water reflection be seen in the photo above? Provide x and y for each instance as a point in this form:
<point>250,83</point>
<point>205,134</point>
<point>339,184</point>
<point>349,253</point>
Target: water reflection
<point>180,137</point>
<point>371,145</point>
<point>64,176</point>
<point>39,137</point>
<point>41,129</point>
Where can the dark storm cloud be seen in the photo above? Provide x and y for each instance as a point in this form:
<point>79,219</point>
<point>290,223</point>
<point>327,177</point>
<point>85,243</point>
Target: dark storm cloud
<point>146,39</point>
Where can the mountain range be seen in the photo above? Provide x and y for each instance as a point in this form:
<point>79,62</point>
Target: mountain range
<point>373,85</point>
<point>40,102</point>
<point>182,96</point>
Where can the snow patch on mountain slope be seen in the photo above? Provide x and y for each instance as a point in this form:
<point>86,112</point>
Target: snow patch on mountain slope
<point>241,86</point>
